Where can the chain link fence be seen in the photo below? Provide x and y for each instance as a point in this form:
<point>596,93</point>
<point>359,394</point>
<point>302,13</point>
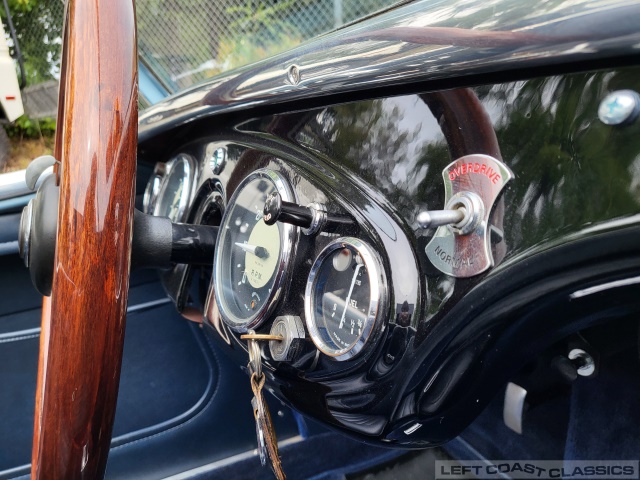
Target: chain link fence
<point>185,41</point>
<point>188,40</point>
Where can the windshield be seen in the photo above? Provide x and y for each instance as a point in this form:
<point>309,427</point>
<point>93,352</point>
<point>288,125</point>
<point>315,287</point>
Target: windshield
<point>180,42</point>
<point>185,41</point>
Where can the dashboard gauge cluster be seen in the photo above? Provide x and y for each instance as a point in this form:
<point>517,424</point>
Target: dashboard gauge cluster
<point>252,258</point>
<point>341,298</point>
<point>338,294</point>
<point>171,188</point>
<point>345,296</point>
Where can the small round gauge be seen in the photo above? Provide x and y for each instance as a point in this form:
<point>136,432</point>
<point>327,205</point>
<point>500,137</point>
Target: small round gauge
<point>175,190</point>
<point>153,188</point>
<point>251,257</point>
<point>344,296</point>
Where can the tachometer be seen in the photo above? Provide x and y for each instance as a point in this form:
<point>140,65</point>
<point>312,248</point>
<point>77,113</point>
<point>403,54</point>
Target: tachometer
<point>344,297</point>
<point>175,191</point>
<point>251,258</point>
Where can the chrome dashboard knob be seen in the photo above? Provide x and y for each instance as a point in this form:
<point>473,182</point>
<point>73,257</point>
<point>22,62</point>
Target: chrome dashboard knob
<point>313,218</point>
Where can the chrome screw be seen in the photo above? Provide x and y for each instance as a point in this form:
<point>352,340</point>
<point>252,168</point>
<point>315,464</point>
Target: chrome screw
<point>218,160</point>
<point>293,75</point>
<point>619,107</point>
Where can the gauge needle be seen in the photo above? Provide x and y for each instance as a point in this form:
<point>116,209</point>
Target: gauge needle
<point>259,252</point>
<point>346,305</point>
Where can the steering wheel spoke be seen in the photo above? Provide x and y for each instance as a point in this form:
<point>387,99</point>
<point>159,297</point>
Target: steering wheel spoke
<point>83,323</point>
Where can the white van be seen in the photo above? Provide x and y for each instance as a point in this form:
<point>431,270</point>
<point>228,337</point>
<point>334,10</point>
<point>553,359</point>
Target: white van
<point>10,98</point>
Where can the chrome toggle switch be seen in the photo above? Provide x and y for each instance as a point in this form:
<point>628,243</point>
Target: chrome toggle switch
<point>461,246</point>
<point>438,218</point>
<point>463,213</point>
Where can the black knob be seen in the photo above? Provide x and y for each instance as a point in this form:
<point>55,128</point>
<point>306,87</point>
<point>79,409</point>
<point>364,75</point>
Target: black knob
<point>277,210</point>
<point>311,219</point>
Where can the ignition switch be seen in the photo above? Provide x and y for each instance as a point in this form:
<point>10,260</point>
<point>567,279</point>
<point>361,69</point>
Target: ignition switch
<point>291,330</point>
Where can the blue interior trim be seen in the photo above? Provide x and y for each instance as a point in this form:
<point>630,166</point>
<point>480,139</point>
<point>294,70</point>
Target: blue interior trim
<point>16,335</point>
<point>31,332</point>
<point>131,438</point>
<point>182,419</point>
<point>460,449</point>
<point>150,87</point>
<point>14,338</point>
<point>9,248</point>
<point>303,429</point>
<point>11,204</point>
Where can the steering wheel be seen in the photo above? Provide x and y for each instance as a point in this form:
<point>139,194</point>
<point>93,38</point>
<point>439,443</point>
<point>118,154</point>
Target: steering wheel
<point>83,322</point>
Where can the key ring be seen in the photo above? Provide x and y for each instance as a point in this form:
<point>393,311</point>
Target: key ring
<point>255,363</point>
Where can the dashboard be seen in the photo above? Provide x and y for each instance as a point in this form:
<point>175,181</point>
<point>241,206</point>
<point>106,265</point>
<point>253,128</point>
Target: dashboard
<point>386,336</point>
<point>333,293</point>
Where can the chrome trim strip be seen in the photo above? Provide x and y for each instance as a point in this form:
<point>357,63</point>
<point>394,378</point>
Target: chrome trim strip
<point>195,472</point>
<point>13,184</point>
<point>230,460</point>
<point>20,470</point>
<point>605,286</point>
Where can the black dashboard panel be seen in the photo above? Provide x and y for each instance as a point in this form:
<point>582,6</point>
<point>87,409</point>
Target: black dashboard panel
<point>443,345</point>
<point>314,181</point>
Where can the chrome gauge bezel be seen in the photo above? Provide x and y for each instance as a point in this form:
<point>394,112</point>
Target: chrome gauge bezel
<point>153,188</point>
<point>188,179</point>
<point>377,297</point>
<point>287,241</point>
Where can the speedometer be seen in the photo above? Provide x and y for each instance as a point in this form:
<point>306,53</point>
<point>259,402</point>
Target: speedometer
<point>251,258</point>
<point>344,297</point>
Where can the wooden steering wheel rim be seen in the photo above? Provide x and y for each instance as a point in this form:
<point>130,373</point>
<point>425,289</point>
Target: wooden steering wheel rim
<point>83,323</point>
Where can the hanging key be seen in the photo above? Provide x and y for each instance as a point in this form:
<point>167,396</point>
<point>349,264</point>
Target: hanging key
<point>267,441</point>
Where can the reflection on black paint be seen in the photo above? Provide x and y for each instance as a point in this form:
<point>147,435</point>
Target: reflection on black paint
<point>571,170</point>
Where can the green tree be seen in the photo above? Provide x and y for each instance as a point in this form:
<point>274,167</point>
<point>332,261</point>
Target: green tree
<point>38,25</point>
